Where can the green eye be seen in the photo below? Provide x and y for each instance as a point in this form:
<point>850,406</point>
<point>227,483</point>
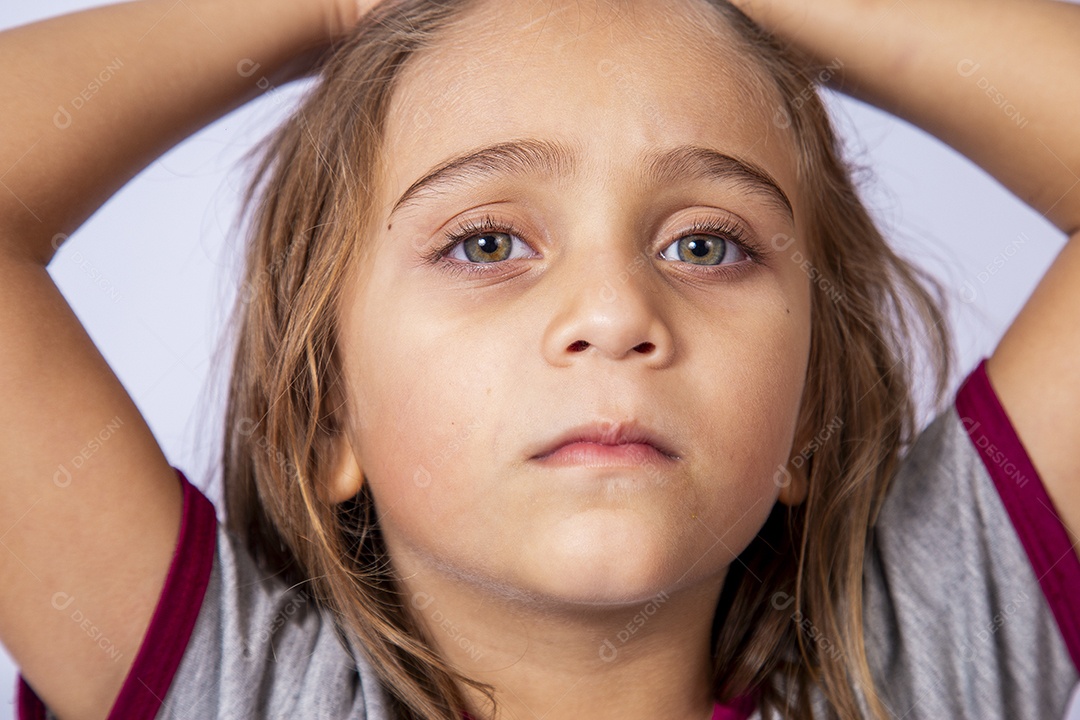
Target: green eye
<point>704,250</point>
<point>488,247</point>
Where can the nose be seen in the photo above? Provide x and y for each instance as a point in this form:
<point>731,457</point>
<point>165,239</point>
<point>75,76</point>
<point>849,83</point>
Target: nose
<point>610,306</point>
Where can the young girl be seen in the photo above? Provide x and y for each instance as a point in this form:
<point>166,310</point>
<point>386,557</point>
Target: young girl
<point>573,379</point>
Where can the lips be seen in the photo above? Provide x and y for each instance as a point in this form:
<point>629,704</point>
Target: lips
<point>610,433</point>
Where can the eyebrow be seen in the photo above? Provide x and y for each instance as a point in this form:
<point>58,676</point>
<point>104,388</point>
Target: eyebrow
<point>546,158</point>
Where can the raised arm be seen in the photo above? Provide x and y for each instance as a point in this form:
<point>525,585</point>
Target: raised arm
<point>997,80</point>
<point>89,506</point>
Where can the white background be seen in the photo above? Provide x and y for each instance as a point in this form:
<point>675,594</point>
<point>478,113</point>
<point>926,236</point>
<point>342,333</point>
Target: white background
<point>152,274</point>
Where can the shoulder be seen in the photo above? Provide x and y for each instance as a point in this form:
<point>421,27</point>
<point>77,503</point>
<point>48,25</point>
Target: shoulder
<point>972,591</point>
<point>262,647</point>
<point>230,640</point>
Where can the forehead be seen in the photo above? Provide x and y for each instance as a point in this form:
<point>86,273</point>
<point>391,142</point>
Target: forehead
<point>615,81</point>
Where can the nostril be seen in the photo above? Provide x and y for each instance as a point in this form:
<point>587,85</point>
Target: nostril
<point>645,347</point>
<point>578,346</point>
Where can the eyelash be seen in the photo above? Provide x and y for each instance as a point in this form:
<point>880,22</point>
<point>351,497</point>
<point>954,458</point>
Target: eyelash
<point>726,229</point>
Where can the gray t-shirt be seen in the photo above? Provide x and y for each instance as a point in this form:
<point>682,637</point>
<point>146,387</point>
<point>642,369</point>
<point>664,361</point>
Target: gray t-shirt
<point>972,603</point>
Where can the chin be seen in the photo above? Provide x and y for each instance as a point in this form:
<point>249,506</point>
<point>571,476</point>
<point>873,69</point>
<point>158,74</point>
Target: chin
<point>604,558</point>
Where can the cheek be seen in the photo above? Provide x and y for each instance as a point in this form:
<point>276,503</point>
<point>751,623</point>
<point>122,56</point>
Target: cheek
<point>426,390</point>
<point>750,376</point>
<point>746,411</point>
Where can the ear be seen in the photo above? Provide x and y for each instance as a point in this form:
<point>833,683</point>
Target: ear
<point>792,478</point>
<point>346,477</point>
<point>794,484</point>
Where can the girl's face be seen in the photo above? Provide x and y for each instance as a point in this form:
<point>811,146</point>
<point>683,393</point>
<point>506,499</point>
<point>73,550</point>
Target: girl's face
<point>604,282</point>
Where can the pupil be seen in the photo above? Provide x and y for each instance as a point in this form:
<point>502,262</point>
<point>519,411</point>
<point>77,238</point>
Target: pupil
<point>699,248</point>
<point>487,243</point>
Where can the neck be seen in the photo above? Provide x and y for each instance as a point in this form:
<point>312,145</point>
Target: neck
<point>647,660</point>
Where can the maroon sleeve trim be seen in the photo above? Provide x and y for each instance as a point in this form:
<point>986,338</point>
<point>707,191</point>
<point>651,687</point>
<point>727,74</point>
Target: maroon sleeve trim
<point>739,708</point>
<point>170,627</point>
<point>1033,515</point>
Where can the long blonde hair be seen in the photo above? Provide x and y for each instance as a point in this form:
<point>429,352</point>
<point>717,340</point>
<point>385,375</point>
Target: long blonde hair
<point>798,582</point>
